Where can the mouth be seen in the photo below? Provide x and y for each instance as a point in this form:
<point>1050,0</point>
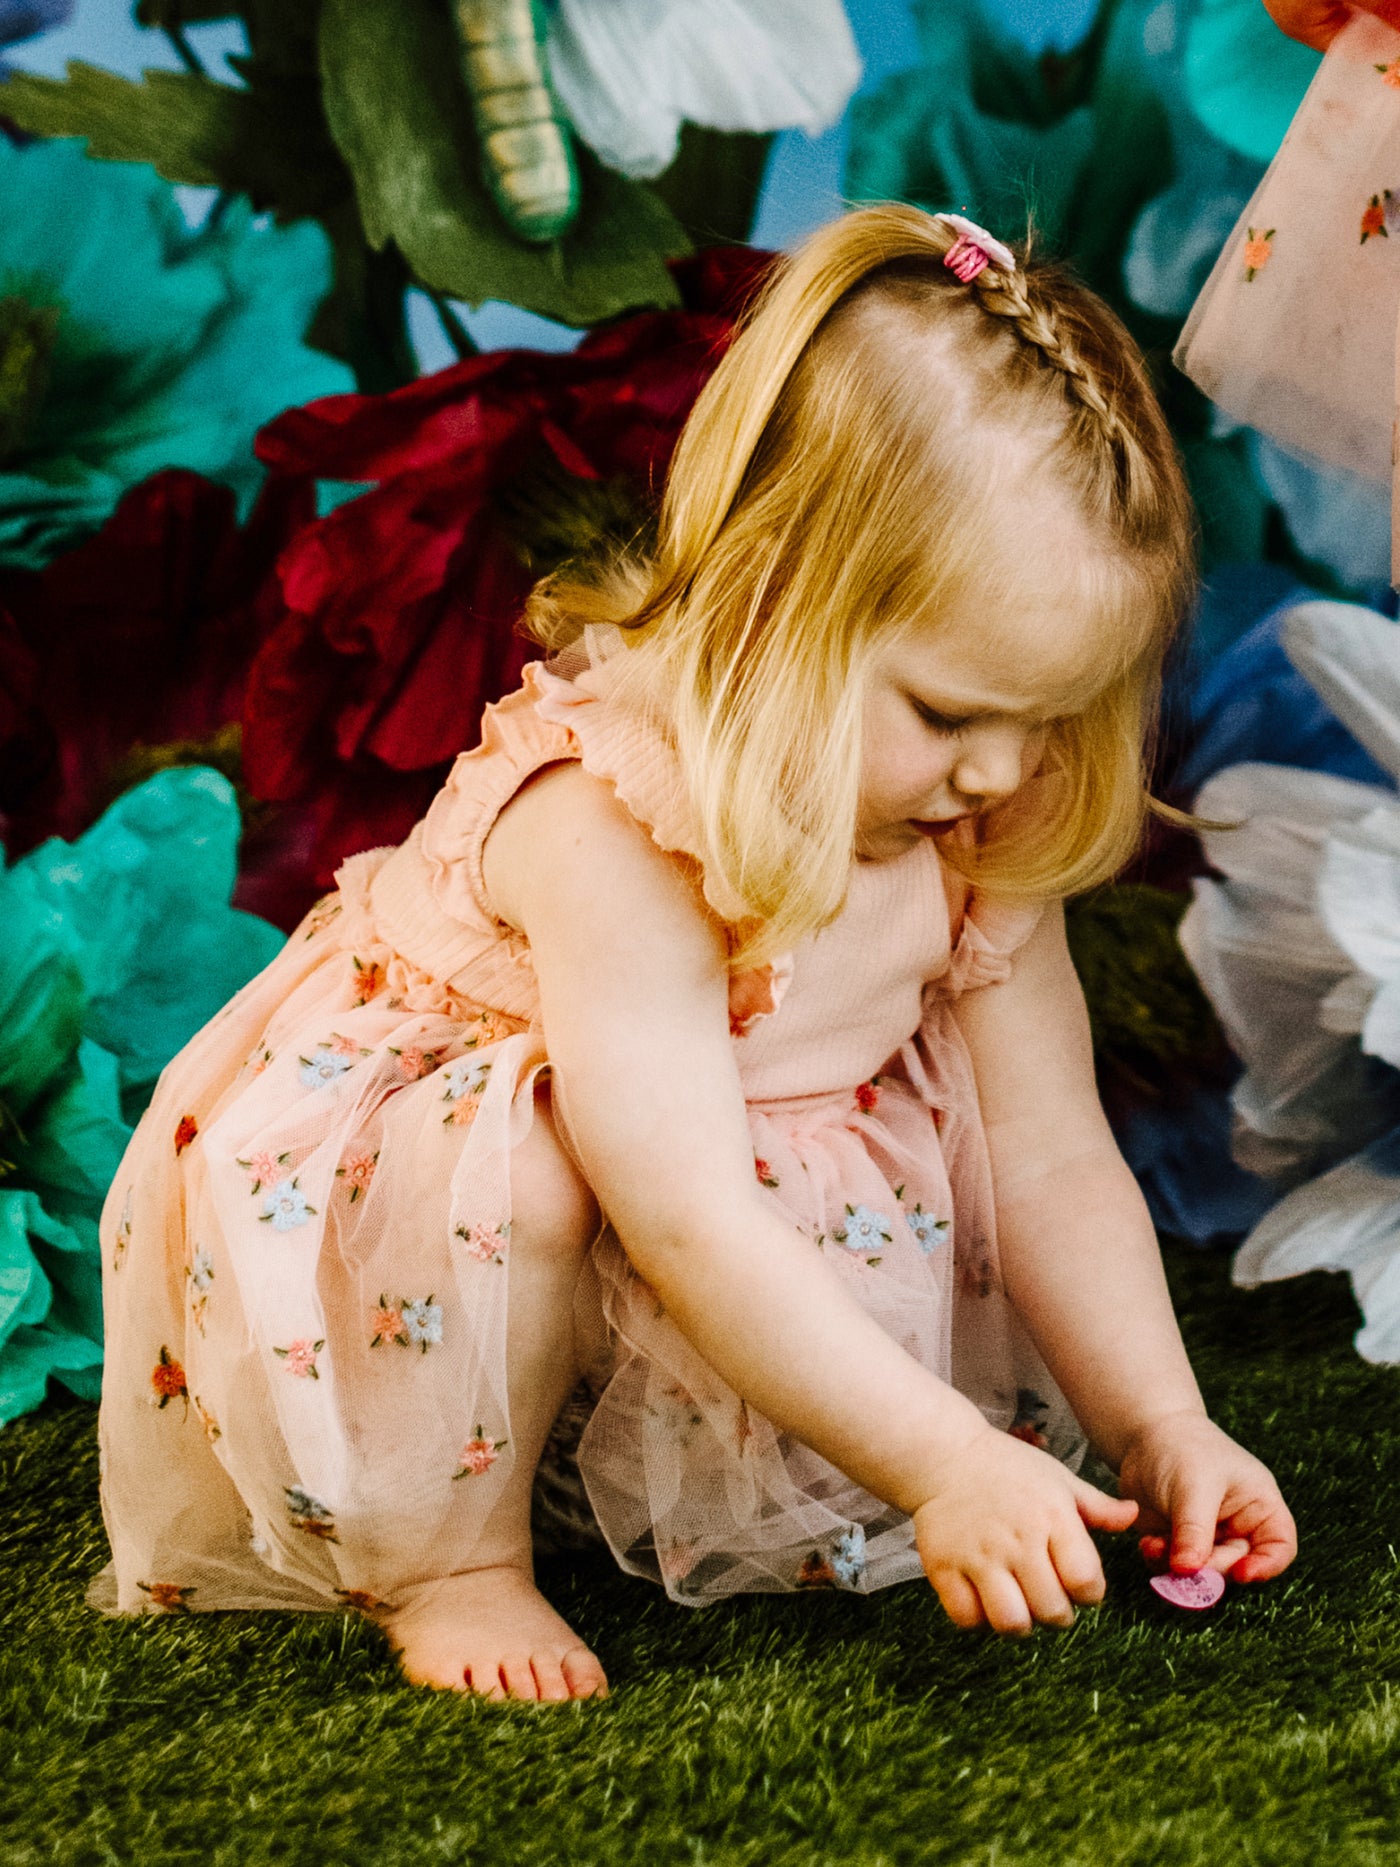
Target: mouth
<point>933,826</point>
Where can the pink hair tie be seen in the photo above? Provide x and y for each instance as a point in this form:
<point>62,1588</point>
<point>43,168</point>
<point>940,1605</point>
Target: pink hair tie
<point>974,250</point>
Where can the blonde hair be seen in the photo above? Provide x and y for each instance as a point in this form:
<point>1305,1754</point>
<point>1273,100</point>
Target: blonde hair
<point>836,485</point>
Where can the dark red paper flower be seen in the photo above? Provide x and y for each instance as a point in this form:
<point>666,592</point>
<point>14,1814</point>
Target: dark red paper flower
<point>399,609</point>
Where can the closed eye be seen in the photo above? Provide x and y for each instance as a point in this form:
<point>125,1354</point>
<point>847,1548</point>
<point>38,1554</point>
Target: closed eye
<point>941,722</point>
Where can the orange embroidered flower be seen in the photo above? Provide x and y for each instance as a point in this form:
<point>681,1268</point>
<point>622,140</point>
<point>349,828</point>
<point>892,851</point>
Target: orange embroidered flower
<point>360,1599</point>
<point>464,1112</point>
<point>867,1097</point>
<point>386,1324</point>
<point>1258,251</point>
<point>816,1572</point>
<point>185,1131</point>
<point>1373,219</point>
<point>1390,74</point>
<point>764,1173</point>
<point>358,1169</point>
<point>478,1455</point>
<point>167,1596</point>
<point>369,979</point>
<point>168,1378</point>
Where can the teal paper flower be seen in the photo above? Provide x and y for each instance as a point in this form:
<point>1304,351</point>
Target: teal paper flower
<point>129,343</point>
<point>120,946</point>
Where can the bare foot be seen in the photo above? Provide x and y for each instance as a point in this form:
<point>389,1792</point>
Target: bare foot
<point>492,1632</point>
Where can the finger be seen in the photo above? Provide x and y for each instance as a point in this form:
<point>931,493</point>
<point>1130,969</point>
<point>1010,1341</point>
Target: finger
<point>961,1602</point>
<point>1272,1546</point>
<point>1077,1565</point>
<point>1153,1548</point>
<point>1002,1601</point>
<point>1099,1510</point>
<point>1225,1555</point>
<point>1044,1592</point>
<point>1193,1530</point>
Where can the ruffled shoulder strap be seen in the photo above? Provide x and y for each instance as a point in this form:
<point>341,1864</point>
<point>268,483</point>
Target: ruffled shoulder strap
<point>985,930</point>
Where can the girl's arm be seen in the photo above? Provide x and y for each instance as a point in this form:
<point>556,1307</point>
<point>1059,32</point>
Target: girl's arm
<point>634,996</point>
<point>1080,1258</point>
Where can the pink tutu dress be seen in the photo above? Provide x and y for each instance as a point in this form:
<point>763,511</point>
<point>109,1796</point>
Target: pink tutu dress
<point>307,1247</point>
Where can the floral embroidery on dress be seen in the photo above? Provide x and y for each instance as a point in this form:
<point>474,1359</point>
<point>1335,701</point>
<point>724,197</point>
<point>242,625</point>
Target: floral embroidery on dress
<point>1258,251</point>
<point>464,1083</point>
<point>387,1324</point>
<point>300,1357</point>
<point>328,1063</point>
<point>323,912</point>
<point>1031,1414</point>
<point>369,978</point>
<point>675,1562</point>
<point>358,1172</point>
<point>865,1231</point>
<point>487,1033</point>
<point>1390,74</point>
<point>362,1600</point>
<point>265,1169</point>
<point>206,1420</point>
<point>122,1241</point>
<point>285,1207</point>
<point>841,1568</point>
<point>258,1063</point>
<point>168,1597</point>
<point>486,1245</point>
<point>1377,216</point>
<point>168,1381</point>
<point>868,1096</point>
<point>929,1232</point>
<point>200,1272</point>
<point>422,1321</point>
<point>478,1455</point>
<point>415,1061</point>
<point>766,1175</point>
<point>185,1131</point>
<point>308,1513</point>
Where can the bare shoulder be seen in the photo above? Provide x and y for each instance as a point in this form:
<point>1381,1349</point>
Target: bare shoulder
<point>566,858</point>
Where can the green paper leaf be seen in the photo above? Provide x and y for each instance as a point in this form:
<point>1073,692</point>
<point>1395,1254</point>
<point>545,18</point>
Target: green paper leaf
<point>178,13</point>
<point>399,113</point>
<point>189,129</point>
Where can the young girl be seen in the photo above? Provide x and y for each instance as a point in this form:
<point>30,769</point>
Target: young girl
<point>679,1058</point>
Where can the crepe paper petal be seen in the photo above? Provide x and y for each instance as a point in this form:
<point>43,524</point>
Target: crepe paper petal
<point>1351,656</point>
<point>1336,519</point>
<point>26,19</point>
<point>168,348</point>
<point>1199,1590</point>
<point>38,1335</point>
<point>1244,78</point>
<point>629,72</point>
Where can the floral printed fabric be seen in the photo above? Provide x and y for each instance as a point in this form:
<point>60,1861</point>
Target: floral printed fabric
<point>1295,330</point>
<point>314,1409</point>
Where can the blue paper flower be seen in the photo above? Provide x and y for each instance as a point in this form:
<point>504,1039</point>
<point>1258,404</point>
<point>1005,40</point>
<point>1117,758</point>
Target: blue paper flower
<point>133,343</point>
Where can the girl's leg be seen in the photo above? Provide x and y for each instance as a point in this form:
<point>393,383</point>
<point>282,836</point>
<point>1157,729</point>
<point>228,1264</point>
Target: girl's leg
<point>489,1629</point>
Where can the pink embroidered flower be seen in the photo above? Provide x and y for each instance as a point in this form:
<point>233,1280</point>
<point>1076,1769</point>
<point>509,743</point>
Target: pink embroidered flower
<point>386,1324</point>
<point>478,1455</point>
<point>185,1131</point>
<point>300,1357</point>
<point>413,1061</point>
<point>1258,251</point>
<point>867,1097</point>
<point>369,979</point>
<point>358,1170</point>
<point>464,1112</point>
<point>343,1046</point>
<point>676,1561</point>
<point>265,1168</point>
<point>484,1244</point>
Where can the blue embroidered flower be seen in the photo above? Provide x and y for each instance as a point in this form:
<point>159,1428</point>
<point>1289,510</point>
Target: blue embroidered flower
<point>848,1559</point>
<point>201,1270</point>
<point>323,1066</point>
<point>865,1230</point>
<point>422,1319</point>
<point>285,1207</point>
<point>929,1233</point>
<point>466,1077</point>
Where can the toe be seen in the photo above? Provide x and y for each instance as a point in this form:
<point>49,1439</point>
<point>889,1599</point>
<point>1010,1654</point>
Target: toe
<point>549,1678</point>
<point>483,1677</point>
<point>585,1676</point>
<point>519,1677</point>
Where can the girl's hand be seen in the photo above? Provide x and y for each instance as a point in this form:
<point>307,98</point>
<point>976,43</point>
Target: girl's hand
<point>1004,1539</point>
<point>1208,1500</point>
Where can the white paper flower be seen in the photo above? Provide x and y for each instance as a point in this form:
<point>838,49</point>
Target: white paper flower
<point>630,71</point>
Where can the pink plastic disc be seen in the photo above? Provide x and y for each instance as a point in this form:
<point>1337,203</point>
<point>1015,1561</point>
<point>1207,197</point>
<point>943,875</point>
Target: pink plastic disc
<point>1201,1590</point>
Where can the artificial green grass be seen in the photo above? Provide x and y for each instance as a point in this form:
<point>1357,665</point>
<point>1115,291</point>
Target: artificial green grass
<point>769,1732</point>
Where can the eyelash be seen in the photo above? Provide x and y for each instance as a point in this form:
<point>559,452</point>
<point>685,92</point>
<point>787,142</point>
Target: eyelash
<point>939,721</point>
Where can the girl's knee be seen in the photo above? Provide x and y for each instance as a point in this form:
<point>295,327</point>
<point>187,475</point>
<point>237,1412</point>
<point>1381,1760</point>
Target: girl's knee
<point>552,1205</point>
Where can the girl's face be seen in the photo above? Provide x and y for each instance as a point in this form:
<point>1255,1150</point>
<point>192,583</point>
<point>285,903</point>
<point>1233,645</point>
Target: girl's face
<point>956,719</point>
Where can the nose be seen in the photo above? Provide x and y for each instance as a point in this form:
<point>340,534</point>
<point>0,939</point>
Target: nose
<point>991,760</point>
